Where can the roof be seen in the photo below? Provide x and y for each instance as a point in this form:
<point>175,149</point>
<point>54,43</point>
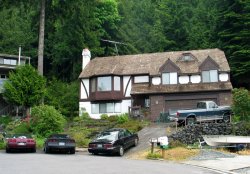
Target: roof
<point>159,89</point>
<point>14,56</point>
<point>152,62</point>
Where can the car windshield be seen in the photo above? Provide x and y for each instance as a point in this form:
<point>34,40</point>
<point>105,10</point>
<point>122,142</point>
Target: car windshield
<point>111,136</point>
<point>22,136</point>
<point>62,136</point>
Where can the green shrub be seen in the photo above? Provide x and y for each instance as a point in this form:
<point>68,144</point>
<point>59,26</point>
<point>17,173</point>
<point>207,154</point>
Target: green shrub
<point>2,145</point>
<point>23,127</point>
<point>113,118</point>
<point>39,142</point>
<point>123,118</point>
<point>4,120</point>
<point>18,126</point>
<point>104,116</point>
<point>241,105</point>
<point>46,120</point>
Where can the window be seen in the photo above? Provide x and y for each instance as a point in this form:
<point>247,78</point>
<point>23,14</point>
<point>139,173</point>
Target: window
<point>104,83</point>
<point>95,108</point>
<point>93,85</point>
<point>141,79</point>
<point>169,78</point>
<point>99,108</point>
<point>210,76</point>
<point>117,83</point>
<point>147,102</point>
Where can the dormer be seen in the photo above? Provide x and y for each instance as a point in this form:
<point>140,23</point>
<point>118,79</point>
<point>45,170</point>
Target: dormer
<point>169,71</point>
<point>187,57</point>
<point>209,64</point>
<point>209,70</point>
<point>169,66</point>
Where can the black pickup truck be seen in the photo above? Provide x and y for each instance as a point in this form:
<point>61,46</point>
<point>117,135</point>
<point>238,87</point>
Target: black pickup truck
<point>205,111</point>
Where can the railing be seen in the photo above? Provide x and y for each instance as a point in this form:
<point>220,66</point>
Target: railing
<point>7,110</point>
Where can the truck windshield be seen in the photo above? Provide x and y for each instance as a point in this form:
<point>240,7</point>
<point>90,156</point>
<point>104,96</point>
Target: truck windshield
<point>201,105</point>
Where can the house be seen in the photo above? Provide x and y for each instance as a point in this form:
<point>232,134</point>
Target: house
<point>7,64</point>
<point>158,82</point>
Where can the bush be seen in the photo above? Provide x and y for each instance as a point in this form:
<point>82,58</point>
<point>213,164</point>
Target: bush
<point>104,116</point>
<point>18,126</point>
<point>46,120</point>
<point>2,145</point>
<point>241,105</point>
<point>23,127</point>
<point>123,118</point>
<point>4,120</point>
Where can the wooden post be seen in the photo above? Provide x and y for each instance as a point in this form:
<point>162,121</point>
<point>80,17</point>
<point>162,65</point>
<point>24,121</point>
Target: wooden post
<point>152,147</point>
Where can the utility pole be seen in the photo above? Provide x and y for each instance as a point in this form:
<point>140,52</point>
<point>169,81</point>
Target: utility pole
<point>114,42</point>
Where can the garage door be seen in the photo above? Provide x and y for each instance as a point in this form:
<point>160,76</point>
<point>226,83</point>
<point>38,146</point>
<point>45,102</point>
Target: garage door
<point>173,105</point>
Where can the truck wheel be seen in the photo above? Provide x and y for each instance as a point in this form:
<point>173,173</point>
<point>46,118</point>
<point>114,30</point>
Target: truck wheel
<point>190,120</point>
<point>226,118</point>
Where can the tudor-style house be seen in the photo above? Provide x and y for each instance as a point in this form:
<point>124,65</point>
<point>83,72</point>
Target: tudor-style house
<point>157,82</point>
<point>7,64</point>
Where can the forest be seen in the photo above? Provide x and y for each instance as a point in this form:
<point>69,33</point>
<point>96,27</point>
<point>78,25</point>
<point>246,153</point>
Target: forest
<point>142,26</point>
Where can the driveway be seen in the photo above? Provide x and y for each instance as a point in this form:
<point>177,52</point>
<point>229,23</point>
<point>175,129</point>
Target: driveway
<point>40,163</point>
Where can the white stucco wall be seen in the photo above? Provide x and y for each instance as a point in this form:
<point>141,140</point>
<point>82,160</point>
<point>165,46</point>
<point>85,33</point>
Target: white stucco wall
<point>195,79</point>
<point>223,77</point>
<point>86,107</point>
<point>183,79</point>
<point>156,80</point>
<point>141,79</point>
<point>83,92</point>
<point>128,89</point>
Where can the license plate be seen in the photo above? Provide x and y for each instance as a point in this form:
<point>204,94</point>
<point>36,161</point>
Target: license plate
<point>61,144</point>
<point>99,145</point>
<point>21,144</point>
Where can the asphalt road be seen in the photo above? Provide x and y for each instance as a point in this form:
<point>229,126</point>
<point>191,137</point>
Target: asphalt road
<point>82,162</point>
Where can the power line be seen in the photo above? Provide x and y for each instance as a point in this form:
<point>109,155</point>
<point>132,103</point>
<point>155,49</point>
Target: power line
<point>114,42</point>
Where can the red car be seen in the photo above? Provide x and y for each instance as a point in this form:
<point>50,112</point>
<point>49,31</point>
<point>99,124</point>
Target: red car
<point>20,142</point>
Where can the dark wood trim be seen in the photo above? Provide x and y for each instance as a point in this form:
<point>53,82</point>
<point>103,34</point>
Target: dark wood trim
<point>127,86</point>
<point>85,88</point>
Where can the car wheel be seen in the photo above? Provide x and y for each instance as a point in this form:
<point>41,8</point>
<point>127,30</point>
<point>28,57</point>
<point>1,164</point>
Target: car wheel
<point>7,150</point>
<point>121,151</point>
<point>33,150</point>
<point>190,120</point>
<point>72,151</point>
<point>136,142</point>
<point>46,150</point>
<point>226,118</point>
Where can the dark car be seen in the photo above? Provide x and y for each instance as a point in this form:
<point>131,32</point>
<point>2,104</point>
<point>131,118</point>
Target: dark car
<point>113,141</point>
<point>20,142</point>
<point>59,143</point>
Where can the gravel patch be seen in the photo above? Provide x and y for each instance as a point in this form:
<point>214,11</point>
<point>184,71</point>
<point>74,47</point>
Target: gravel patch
<point>208,154</point>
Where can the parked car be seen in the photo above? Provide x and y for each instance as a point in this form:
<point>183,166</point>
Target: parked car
<point>113,141</point>
<point>20,142</point>
<point>58,143</point>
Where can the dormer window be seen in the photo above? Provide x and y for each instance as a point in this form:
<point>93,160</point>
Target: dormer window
<point>210,76</point>
<point>169,78</point>
<point>185,57</point>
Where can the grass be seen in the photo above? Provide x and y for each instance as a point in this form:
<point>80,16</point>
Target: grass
<point>172,154</point>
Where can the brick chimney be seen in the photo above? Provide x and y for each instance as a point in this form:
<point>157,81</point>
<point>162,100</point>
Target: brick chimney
<point>86,55</point>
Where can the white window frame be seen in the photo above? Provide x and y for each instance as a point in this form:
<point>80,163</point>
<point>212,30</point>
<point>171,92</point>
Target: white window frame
<point>212,76</point>
<point>169,78</point>
<point>141,79</point>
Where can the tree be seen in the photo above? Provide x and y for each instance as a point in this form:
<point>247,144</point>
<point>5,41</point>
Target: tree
<point>235,35</point>
<point>25,87</point>
<point>41,37</point>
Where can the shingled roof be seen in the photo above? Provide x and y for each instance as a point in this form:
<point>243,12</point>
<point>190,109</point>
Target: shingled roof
<point>151,63</point>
